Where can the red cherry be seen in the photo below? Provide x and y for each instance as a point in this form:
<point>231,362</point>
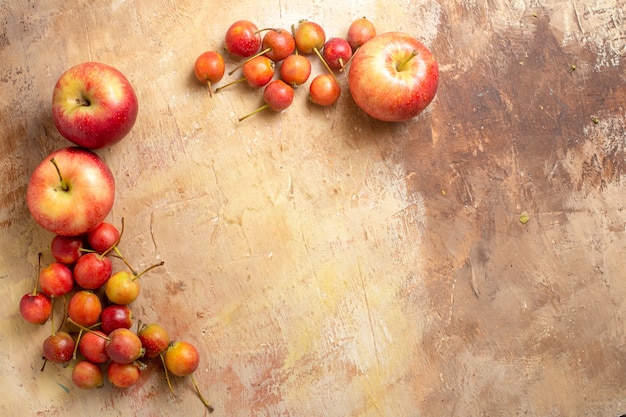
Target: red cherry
<point>337,53</point>
<point>359,32</point>
<point>242,38</point>
<point>324,90</point>
<point>295,70</point>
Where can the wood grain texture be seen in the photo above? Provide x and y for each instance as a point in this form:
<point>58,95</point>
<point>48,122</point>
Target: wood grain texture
<point>326,264</point>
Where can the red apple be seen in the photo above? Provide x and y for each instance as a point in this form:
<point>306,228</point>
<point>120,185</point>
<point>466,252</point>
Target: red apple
<point>70,192</point>
<point>94,105</point>
<point>393,77</point>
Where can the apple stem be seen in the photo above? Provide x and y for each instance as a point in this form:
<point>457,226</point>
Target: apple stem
<point>249,59</point>
<point>330,71</point>
<point>148,269</point>
<point>64,185</point>
<point>82,101</point>
<point>204,401</point>
<point>229,84</point>
<point>263,107</point>
<point>406,61</point>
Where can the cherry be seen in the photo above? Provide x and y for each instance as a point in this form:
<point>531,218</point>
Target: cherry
<point>337,52</point>
<point>278,95</point>
<point>309,37</point>
<point>181,358</point>
<point>36,306</point>
<point>123,346</point>
<point>66,249</point>
<point>92,270</point>
<point>91,346</point>
<point>123,287</point>
<point>258,71</point>
<point>103,237</point>
<point>84,308</point>
<point>295,70</point>
<point>87,375</point>
<point>56,279</point>
<point>116,316</point>
<point>278,44</point>
<point>324,90</point>
<point>242,38</point>
<point>209,68</point>
<point>359,32</point>
<point>59,347</point>
<point>154,338</point>
<point>123,375</point>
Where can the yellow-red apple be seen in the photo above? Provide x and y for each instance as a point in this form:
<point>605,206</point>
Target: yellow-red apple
<point>94,105</point>
<point>393,77</point>
<point>70,192</point>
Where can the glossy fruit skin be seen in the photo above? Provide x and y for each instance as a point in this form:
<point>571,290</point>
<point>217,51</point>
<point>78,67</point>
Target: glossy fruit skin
<point>155,339</point>
<point>295,70</point>
<point>259,71</point>
<point>309,36</point>
<point>242,39</point>
<point>66,249</point>
<point>386,93</point>
<point>87,375</point>
<point>181,358</point>
<point>84,308</point>
<point>116,316</point>
<point>36,308</point>
<point>79,203</point>
<point>103,237</point>
<point>209,67</point>
<point>324,90</point>
<point>281,43</point>
<point>92,271</point>
<point>59,348</point>
<point>94,105</point>
<point>359,32</point>
<point>121,288</point>
<point>337,52</point>
<point>124,346</point>
<point>123,375</point>
<point>56,279</point>
<point>91,346</point>
<point>278,95</point>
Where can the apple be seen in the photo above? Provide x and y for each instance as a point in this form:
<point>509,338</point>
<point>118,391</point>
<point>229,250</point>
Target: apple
<point>393,77</point>
<point>94,105</point>
<point>70,192</point>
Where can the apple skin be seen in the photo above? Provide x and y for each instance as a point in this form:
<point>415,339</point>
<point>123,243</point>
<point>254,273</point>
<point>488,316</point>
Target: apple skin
<point>77,204</point>
<point>94,105</point>
<point>388,94</point>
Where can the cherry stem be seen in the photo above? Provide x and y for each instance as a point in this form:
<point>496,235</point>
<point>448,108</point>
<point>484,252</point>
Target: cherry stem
<point>88,329</point>
<point>208,84</point>
<point>263,107</point>
<point>114,245</point>
<point>330,71</point>
<point>204,401</point>
<point>229,84</point>
<point>64,185</point>
<point>148,269</point>
<point>80,334</point>
<point>264,51</point>
<point>293,34</point>
<point>406,61</point>
<point>167,375</point>
<point>38,273</point>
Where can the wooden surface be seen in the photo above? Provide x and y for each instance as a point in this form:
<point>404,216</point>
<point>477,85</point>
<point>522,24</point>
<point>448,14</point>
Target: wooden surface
<point>326,264</point>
